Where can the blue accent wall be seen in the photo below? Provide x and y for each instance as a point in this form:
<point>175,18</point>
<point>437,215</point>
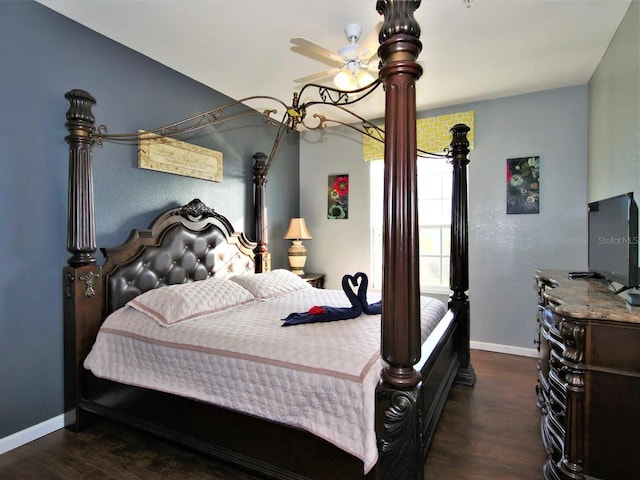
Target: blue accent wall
<point>44,55</point>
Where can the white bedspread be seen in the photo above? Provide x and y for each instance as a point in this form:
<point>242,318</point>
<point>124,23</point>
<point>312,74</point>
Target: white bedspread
<point>320,377</point>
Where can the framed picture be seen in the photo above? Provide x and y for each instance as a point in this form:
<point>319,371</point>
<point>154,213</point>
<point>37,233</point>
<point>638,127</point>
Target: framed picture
<point>338,197</point>
<point>523,185</point>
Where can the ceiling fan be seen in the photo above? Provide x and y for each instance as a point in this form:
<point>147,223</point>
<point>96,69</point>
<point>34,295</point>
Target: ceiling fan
<point>351,63</point>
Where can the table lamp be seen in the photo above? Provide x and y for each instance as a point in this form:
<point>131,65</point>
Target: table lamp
<point>297,232</point>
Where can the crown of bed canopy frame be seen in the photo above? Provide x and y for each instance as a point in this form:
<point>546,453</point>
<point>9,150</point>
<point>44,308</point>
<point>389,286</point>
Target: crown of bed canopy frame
<point>310,115</point>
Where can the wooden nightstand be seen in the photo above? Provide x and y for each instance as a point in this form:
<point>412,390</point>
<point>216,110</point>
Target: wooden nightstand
<point>315,279</point>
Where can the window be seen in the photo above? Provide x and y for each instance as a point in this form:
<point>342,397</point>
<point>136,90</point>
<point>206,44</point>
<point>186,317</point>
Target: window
<point>434,222</point>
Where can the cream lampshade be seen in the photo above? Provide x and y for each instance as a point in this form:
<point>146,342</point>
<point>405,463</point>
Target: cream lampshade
<point>297,232</point>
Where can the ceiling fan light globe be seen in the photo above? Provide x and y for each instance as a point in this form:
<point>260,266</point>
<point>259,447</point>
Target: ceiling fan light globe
<point>344,80</point>
<point>364,78</point>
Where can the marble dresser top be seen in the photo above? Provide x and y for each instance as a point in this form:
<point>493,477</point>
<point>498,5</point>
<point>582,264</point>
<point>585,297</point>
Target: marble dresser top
<point>585,298</point>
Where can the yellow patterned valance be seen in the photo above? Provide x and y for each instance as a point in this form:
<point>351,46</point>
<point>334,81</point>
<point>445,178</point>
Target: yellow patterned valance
<point>432,135</point>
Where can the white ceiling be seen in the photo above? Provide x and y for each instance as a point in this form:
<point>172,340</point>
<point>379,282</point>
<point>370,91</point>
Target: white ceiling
<point>241,48</point>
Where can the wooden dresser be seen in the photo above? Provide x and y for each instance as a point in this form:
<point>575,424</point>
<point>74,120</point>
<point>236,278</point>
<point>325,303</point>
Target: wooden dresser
<point>588,379</point>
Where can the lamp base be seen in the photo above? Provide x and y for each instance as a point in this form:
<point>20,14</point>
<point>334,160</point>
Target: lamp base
<point>297,257</point>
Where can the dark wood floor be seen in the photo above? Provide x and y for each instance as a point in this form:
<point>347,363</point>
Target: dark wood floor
<point>488,432</point>
<point>491,431</point>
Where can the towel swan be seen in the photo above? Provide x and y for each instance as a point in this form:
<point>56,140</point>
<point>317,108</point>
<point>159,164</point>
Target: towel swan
<point>370,309</point>
<point>330,314</point>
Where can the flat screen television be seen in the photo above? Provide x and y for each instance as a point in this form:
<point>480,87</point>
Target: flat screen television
<point>613,241</point>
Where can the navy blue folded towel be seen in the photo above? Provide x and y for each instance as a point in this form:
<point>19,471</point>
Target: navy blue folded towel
<point>329,314</point>
<point>369,309</point>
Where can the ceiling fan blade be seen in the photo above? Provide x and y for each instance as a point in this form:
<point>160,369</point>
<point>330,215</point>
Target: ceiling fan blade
<point>371,66</point>
<point>316,77</point>
<point>315,51</point>
<point>369,46</point>
<point>318,58</point>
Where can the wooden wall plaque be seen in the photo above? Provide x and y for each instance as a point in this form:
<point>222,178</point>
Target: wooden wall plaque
<point>168,155</point>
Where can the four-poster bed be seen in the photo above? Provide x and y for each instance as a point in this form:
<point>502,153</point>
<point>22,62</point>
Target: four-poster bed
<point>194,245</point>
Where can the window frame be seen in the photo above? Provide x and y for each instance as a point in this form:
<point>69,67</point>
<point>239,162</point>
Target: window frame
<point>440,166</point>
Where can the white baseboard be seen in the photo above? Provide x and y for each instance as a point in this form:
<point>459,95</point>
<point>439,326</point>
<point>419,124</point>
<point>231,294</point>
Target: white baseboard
<point>511,350</point>
<point>30,434</point>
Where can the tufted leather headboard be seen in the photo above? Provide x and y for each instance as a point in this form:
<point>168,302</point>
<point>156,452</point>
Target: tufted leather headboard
<point>184,244</point>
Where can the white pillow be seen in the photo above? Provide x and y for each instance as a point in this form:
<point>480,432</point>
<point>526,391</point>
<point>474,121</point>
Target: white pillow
<point>187,301</point>
<point>271,284</point>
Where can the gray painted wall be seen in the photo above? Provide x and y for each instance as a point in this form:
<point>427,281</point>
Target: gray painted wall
<point>43,56</point>
<point>614,114</point>
<point>504,249</point>
<point>338,246</point>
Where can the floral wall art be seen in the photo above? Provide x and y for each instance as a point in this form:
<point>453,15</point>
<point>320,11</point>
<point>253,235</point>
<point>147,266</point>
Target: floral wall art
<point>338,200</point>
<point>523,185</point>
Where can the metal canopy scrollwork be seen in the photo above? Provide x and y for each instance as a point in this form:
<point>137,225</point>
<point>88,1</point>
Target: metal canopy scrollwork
<point>232,111</point>
<point>307,110</point>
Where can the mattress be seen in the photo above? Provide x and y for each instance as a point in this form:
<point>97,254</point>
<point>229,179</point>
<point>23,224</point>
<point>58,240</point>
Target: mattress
<point>320,377</point>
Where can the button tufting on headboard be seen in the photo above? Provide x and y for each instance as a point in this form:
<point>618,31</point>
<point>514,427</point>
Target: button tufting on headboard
<point>182,256</point>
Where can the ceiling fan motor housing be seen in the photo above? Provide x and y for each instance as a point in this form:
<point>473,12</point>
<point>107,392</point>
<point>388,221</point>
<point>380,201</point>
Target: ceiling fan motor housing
<point>352,32</point>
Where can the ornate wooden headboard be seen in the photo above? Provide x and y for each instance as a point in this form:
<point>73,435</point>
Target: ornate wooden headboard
<point>189,243</point>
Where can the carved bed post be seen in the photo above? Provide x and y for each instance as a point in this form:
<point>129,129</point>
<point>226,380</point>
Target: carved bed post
<point>81,230</point>
<point>262,255</point>
<point>397,423</point>
<point>459,271</point>
<point>82,283</point>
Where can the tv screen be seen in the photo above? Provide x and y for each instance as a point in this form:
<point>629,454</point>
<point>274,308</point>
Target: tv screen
<point>613,240</point>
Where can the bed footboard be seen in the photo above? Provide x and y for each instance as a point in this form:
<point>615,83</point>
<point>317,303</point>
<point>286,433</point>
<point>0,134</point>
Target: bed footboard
<point>269,449</point>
